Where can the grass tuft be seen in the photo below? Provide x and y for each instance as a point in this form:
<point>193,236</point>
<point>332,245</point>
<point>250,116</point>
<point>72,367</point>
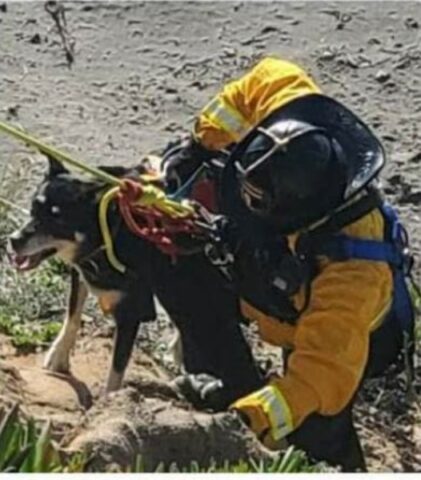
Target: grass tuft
<point>27,447</point>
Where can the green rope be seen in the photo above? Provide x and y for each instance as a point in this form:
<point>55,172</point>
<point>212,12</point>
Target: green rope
<point>58,155</point>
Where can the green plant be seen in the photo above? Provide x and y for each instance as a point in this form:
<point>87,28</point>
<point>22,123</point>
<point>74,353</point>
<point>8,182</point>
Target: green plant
<point>28,448</point>
<point>290,461</point>
<point>33,298</point>
<point>29,314</point>
<point>27,337</point>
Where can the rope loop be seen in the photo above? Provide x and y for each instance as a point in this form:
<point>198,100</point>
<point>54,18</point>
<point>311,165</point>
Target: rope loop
<point>149,214</point>
<point>130,190</point>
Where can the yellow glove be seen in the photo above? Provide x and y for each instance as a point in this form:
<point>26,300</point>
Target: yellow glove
<point>267,414</point>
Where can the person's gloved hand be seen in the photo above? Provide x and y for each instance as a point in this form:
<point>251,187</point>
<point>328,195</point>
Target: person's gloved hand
<point>203,391</point>
<point>267,414</point>
<point>181,158</point>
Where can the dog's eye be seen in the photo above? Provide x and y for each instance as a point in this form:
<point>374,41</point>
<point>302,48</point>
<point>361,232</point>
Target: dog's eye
<point>55,210</point>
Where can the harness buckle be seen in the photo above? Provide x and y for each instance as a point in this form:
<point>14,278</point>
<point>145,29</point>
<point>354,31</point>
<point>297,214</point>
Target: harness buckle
<point>221,258</point>
<point>407,261</point>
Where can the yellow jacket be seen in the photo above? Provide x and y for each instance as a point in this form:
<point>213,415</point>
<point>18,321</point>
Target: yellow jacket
<point>349,299</point>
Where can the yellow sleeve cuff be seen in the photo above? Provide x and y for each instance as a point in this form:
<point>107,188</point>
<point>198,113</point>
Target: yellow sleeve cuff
<point>276,416</point>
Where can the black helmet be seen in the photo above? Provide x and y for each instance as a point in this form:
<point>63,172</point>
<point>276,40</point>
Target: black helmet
<point>300,164</point>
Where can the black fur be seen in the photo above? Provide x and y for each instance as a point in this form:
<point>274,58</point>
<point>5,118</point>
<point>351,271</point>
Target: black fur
<point>74,292</point>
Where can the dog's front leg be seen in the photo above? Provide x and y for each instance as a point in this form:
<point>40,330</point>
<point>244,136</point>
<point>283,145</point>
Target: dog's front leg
<point>127,317</point>
<point>57,359</point>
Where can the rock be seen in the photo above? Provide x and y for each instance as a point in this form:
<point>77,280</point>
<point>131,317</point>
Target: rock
<point>99,83</point>
<point>412,197</point>
<point>389,137</point>
<point>352,61</point>
<point>3,7</point>
<point>327,55</point>
<point>171,127</point>
<point>35,39</point>
<point>146,419</point>
<point>13,111</point>
<point>199,84</point>
<point>382,76</point>
<point>268,29</point>
<point>395,179</point>
<point>411,24</point>
<point>134,121</point>
<point>171,90</point>
<point>230,52</point>
<point>416,158</point>
<point>391,86</point>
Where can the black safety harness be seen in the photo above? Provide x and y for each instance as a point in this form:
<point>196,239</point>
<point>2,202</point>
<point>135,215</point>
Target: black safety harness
<point>269,275</point>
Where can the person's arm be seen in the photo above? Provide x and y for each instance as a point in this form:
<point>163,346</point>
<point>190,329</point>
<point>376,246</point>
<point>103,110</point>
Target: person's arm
<point>245,102</point>
<point>240,106</point>
<point>331,343</point>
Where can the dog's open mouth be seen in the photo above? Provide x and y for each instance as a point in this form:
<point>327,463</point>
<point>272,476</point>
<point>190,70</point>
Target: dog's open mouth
<point>23,263</point>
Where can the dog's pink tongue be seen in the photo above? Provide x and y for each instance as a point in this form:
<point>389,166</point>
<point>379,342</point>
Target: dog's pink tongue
<point>21,262</point>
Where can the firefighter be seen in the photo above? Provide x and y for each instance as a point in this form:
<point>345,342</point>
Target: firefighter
<point>320,258</point>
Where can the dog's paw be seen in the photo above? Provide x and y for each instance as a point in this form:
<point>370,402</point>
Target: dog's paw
<point>57,360</point>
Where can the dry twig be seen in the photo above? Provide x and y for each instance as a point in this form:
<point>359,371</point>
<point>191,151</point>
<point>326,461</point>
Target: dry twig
<point>57,12</point>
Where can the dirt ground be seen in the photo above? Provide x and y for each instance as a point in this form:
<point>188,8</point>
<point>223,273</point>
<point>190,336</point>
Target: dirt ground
<point>145,417</point>
<point>141,72</point>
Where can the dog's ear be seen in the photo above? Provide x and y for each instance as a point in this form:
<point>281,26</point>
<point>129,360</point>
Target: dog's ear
<point>55,167</point>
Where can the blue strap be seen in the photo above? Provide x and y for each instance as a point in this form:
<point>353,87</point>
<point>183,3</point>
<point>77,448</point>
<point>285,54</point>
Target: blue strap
<point>185,189</point>
<point>341,248</point>
<point>398,233</point>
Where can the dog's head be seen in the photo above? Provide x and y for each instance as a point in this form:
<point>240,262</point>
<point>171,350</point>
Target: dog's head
<point>63,217</point>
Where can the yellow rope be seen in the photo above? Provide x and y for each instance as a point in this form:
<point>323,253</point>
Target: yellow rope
<point>153,196</point>
<point>57,154</point>
<point>107,237</point>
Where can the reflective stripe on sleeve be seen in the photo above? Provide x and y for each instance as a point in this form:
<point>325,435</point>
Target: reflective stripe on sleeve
<point>277,410</point>
<point>224,116</point>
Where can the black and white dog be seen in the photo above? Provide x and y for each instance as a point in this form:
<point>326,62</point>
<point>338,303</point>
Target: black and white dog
<point>64,222</point>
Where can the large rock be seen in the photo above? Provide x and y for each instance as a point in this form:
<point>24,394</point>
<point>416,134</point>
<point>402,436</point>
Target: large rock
<point>147,421</point>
